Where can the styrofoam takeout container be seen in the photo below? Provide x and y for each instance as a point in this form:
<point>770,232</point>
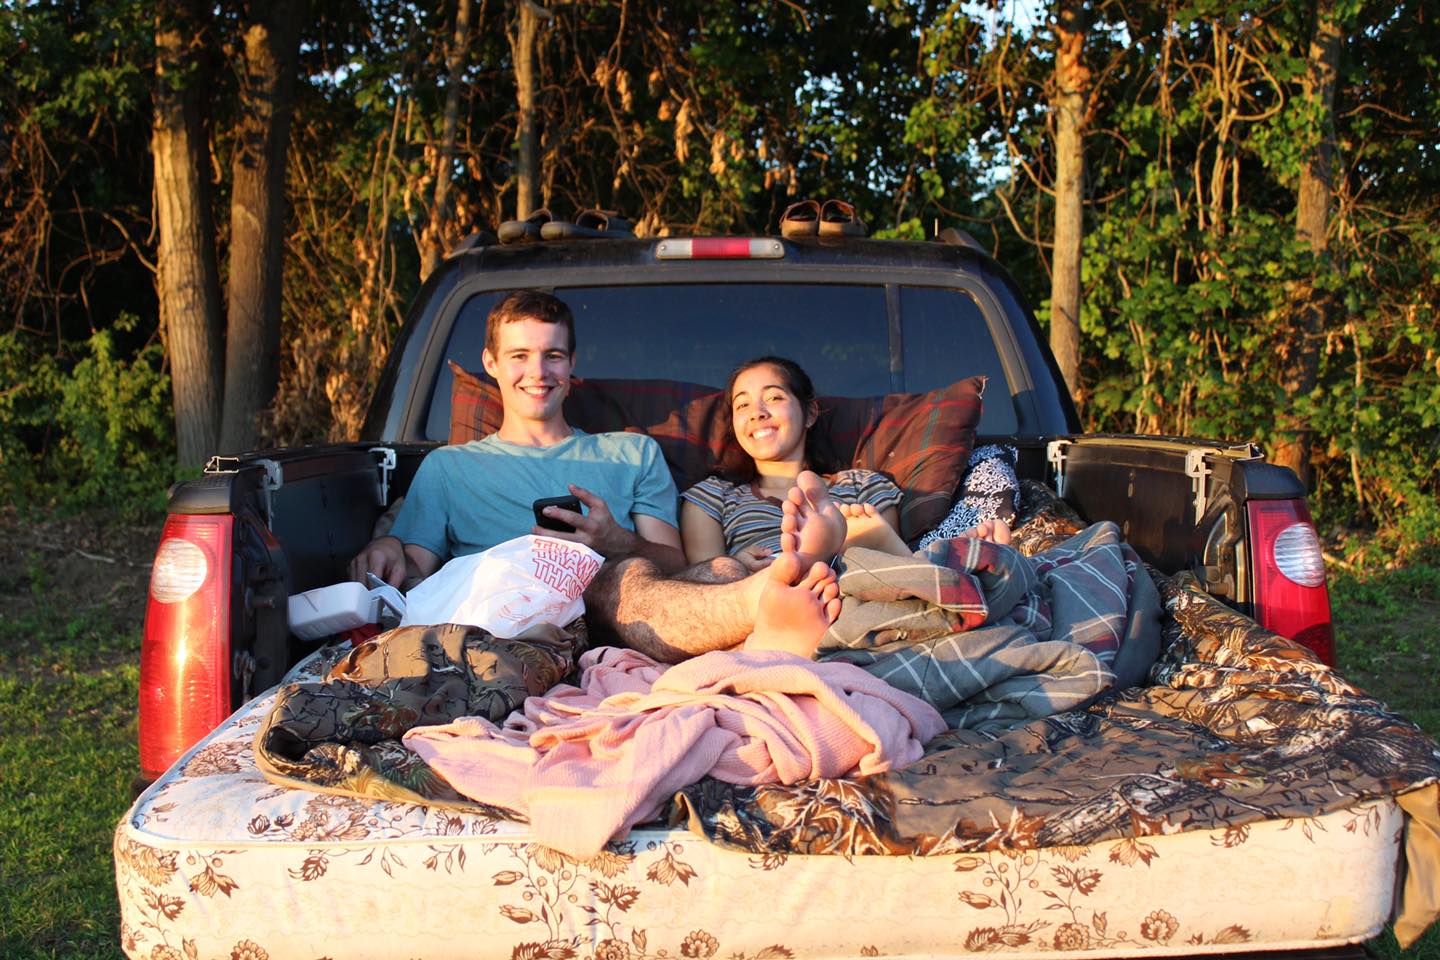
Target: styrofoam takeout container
<point>325,611</point>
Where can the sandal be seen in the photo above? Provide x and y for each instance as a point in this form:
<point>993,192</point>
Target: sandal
<point>800,219</point>
<point>527,230</point>
<point>838,219</point>
<point>589,223</point>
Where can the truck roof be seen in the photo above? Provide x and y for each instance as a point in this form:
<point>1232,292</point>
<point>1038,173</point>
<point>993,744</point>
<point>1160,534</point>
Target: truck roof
<point>416,366</point>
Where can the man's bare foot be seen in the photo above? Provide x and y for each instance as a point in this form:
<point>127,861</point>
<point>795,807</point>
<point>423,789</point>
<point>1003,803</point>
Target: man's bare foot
<point>996,531</point>
<point>812,525</point>
<point>866,528</point>
<point>794,610</point>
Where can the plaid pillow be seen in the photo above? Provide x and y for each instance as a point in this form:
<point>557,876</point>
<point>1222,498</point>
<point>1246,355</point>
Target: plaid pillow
<point>920,440</point>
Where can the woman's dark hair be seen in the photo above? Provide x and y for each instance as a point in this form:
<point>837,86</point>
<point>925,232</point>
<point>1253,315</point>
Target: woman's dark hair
<point>736,465</point>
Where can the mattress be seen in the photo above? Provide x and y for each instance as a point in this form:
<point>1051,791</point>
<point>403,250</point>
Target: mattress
<point>215,861</point>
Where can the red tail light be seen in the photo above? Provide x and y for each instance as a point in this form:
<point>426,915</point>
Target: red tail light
<point>185,658</point>
<point>1289,575</point>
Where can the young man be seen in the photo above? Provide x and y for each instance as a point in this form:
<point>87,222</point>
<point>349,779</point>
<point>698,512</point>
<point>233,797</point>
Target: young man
<point>469,497</point>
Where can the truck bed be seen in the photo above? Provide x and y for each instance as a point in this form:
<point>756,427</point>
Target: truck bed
<point>1249,800</point>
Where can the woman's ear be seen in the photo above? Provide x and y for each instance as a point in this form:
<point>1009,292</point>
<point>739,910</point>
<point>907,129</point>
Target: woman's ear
<point>812,414</point>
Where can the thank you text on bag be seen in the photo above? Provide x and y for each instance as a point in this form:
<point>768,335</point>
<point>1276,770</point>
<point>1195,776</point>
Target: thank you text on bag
<point>509,587</point>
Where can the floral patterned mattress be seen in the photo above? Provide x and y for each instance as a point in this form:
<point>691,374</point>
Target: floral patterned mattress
<point>214,861</point>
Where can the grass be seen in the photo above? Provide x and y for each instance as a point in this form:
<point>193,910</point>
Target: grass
<point>1385,629</point>
<point>69,679</point>
<point>1387,643</point>
<point>68,683</point>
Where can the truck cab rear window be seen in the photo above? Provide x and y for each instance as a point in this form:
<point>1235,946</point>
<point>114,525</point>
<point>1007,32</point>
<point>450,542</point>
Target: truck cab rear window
<point>840,334</point>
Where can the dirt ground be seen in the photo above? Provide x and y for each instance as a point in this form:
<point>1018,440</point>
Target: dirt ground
<point>79,565</point>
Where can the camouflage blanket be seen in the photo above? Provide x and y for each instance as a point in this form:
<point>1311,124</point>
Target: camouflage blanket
<point>342,735</point>
<point>992,638</point>
<point>1235,725</point>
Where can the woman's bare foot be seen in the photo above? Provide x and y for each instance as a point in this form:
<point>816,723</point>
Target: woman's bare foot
<point>812,524</point>
<point>794,610</point>
<point>996,531</point>
<point>866,528</point>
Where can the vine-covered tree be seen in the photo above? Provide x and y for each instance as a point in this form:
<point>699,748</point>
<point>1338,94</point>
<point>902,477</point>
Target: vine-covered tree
<point>1069,102</point>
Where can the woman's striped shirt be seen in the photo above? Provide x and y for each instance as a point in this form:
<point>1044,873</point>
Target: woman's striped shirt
<point>746,519</point>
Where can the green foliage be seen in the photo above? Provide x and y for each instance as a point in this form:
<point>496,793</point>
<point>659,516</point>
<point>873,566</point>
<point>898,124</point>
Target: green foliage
<point>99,431</point>
<point>1199,133</point>
<point>713,116</point>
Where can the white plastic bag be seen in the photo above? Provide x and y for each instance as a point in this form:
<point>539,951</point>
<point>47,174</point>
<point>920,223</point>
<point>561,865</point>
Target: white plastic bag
<point>507,588</point>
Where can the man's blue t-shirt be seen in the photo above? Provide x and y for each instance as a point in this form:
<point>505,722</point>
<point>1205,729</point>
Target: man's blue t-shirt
<point>471,496</point>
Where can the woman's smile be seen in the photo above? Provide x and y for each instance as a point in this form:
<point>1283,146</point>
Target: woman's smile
<point>769,420</point>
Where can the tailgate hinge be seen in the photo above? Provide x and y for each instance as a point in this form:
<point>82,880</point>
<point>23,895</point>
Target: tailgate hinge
<point>387,467</point>
<point>1055,455</point>
<point>274,478</point>
<point>1198,470</point>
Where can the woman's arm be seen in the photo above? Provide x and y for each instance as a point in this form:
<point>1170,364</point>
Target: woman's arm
<point>700,534</point>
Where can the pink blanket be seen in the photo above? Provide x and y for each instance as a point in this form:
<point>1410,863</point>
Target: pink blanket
<point>586,764</point>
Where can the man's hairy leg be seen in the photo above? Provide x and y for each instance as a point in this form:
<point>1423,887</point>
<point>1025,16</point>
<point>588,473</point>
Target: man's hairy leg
<point>672,619</point>
<point>714,570</point>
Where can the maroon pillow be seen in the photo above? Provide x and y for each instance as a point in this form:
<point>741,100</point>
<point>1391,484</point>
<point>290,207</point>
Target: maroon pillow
<point>920,440</point>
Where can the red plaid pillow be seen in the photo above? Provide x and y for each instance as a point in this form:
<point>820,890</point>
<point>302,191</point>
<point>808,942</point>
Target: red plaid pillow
<point>920,440</point>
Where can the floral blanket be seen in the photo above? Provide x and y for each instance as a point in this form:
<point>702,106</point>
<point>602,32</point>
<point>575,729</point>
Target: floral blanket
<point>1235,726</point>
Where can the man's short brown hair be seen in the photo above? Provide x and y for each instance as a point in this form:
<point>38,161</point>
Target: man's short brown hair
<point>529,305</point>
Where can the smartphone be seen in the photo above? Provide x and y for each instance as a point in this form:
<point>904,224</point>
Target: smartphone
<point>568,502</point>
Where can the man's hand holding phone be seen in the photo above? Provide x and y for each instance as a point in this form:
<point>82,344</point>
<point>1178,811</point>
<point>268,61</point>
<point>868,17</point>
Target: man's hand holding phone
<point>569,502</point>
<point>596,528</point>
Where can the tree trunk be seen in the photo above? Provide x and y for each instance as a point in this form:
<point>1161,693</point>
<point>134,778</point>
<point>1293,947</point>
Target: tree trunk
<point>1310,307</point>
<point>187,277</point>
<point>523,52</point>
<point>257,218</point>
<point>441,224</point>
<point>1072,82</point>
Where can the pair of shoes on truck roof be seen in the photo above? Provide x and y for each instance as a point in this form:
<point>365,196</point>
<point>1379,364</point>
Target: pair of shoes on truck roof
<point>811,218</point>
<point>542,225</point>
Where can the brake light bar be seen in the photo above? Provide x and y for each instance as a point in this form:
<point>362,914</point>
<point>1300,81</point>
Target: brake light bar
<point>720,248</point>
<point>185,657</point>
<point>1288,572</point>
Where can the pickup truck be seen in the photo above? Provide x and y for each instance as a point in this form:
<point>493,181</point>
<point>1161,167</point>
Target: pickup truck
<point>865,318</point>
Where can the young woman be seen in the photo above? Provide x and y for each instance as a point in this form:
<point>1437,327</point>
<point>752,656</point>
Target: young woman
<point>772,408</point>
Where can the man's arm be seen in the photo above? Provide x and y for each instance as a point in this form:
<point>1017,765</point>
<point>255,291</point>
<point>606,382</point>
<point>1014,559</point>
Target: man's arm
<point>393,561</point>
<point>396,557</point>
<point>659,543</point>
<point>653,538</point>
